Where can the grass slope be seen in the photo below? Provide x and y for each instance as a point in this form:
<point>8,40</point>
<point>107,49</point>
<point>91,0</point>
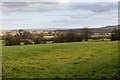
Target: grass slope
<point>62,60</point>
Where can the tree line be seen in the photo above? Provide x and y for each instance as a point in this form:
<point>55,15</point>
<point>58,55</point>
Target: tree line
<point>70,36</point>
<point>24,37</point>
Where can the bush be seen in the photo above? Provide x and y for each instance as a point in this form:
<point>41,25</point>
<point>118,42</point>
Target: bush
<point>27,43</point>
<point>86,33</point>
<point>115,35</point>
<point>9,40</point>
<point>12,40</point>
<point>25,35</point>
<point>60,38</point>
<point>17,39</point>
<point>39,39</point>
<point>70,36</point>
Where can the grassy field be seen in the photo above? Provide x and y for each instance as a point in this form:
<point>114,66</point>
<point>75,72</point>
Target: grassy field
<point>62,60</point>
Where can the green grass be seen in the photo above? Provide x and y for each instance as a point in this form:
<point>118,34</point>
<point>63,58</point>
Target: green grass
<point>62,60</point>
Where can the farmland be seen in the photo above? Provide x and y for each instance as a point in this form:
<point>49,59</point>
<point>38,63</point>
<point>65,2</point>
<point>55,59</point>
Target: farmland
<point>92,59</point>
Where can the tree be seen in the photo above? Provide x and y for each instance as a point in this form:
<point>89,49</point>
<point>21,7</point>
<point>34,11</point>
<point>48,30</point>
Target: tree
<point>39,39</point>
<point>61,38</point>
<point>115,35</point>
<point>12,40</point>
<point>26,35</point>
<point>9,40</point>
<point>86,34</point>
<point>70,36</point>
<point>17,39</point>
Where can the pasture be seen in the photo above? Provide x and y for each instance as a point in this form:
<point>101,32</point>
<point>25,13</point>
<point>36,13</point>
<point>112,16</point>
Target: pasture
<point>92,59</point>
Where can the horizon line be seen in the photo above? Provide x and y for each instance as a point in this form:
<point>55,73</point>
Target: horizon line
<point>57,28</point>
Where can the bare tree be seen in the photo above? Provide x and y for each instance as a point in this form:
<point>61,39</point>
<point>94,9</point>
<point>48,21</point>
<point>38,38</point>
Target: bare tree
<point>86,33</point>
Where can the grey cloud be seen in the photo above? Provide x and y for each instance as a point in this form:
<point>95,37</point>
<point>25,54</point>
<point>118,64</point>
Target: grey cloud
<point>14,4</point>
<point>85,22</point>
<point>105,15</point>
<point>96,7</point>
<point>93,18</point>
<point>50,6</point>
<point>31,7</point>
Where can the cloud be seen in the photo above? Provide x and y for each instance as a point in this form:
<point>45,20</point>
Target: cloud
<point>67,21</point>
<point>31,7</point>
<point>96,7</point>
<point>12,19</point>
<point>60,0</point>
<point>56,1</point>
<point>92,19</point>
<point>107,15</point>
<point>96,16</point>
<point>57,6</point>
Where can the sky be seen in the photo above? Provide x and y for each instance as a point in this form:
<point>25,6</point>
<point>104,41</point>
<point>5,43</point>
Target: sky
<point>60,14</point>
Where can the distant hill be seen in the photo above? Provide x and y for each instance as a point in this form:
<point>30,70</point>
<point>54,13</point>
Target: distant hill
<point>110,27</point>
<point>105,29</point>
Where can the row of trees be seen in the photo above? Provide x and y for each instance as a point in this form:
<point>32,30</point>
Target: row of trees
<point>72,36</point>
<point>28,38</point>
<point>69,36</point>
<point>25,37</point>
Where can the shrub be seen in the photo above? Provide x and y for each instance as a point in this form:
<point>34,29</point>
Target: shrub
<point>11,40</point>
<point>39,39</point>
<point>80,37</point>
<point>86,33</point>
<point>115,35</point>
<point>25,35</point>
<point>27,43</point>
<point>17,39</point>
<point>70,36</point>
<point>60,38</point>
<point>8,40</point>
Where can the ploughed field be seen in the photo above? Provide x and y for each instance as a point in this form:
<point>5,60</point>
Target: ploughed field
<point>92,59</point>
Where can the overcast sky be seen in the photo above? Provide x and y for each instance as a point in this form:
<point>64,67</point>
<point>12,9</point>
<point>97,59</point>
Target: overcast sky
<point>68,14</point>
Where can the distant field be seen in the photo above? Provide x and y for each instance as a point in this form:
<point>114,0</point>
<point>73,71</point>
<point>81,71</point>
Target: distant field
<point>48,36</point>
<point>99,35</point>
<point>62,60</point>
